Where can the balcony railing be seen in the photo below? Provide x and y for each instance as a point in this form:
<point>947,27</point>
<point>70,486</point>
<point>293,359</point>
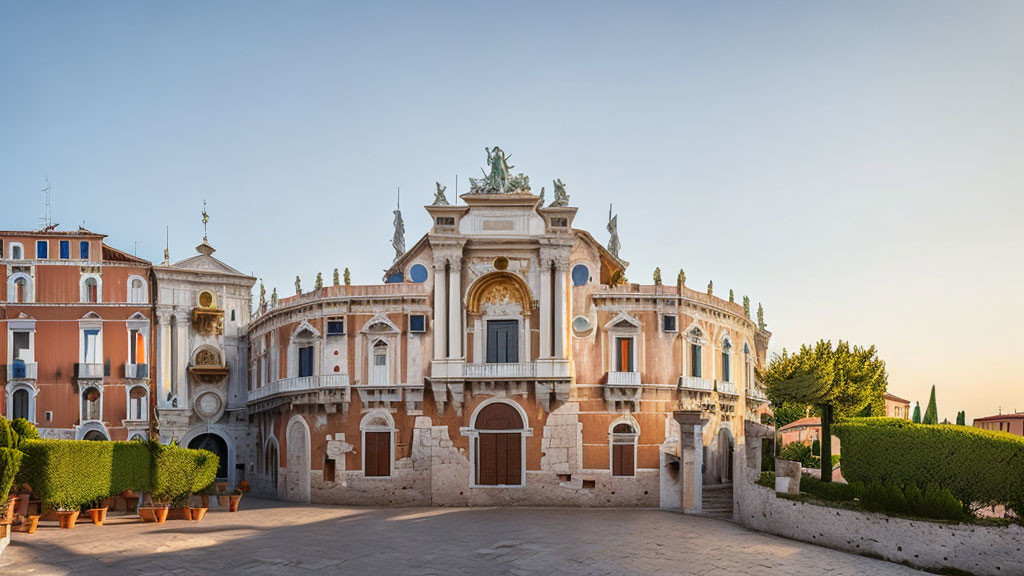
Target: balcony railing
<point>500,370</point>
<point>22,371</point>
<point>755,392</point>
<point>136,371</point>
<point>623,378</point>
<point>727,388</point>
<point>89,371</point>
<point>696,383</point>
<point>300,384</point>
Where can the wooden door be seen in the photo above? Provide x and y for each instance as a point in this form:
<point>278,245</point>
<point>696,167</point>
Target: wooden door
<point>377,454</point>
<point>622,460</point>
<point>500,459</point>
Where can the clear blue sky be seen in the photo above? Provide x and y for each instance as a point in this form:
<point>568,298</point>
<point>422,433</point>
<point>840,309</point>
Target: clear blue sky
<point>857,167</point>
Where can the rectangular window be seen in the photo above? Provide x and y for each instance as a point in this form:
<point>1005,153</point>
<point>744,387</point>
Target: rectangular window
<point>624,353</point>
<point>417,323</point>
<point>42,249</point>
<point>559,222</point>
<point>83,250</point>
<point>668,323</point>
<point>445,221</point>
<point>137,345</point>
<point>305,361</point>
<point>335,327</point>
<point>502,341</point>
<point>65,249</point>
<point>695,352</point>
<point>726,368</point>
<point>91,348</point>
<point>21,348</point>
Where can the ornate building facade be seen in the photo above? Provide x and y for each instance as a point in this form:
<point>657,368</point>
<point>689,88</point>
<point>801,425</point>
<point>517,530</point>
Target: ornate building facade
<point>505,360</point>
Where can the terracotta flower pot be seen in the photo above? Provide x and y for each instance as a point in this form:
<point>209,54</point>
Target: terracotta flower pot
<point>222,501</point>
<point>68,519</point>
<point>131,503</point>
<point>29,524</point>
<point>98,515</point>
<point>5,531</point>
<point>22,508</point>
<point>9,507</point>
<point>205,500</point>
<point>222,486</point>
<point>233,502</point>
<point>161,514</point>
<point>198,514</point>
<point>178,514</point>
<point>156,514</point>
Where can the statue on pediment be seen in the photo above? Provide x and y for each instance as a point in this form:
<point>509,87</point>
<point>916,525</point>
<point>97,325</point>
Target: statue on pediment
<point>500,179</point>
<point>561,198</point>
<point>439,199</point>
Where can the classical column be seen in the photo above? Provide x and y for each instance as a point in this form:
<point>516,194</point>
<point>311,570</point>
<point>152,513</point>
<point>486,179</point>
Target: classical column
<point>691,458</point>
<point>545,309</point>
<point>440,314</point>
<point>455,324</point>
<point>559,327</point>
<point>163,367</point>
<point>181,321</point>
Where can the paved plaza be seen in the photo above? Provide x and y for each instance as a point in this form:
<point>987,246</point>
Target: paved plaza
<point>267,537</point>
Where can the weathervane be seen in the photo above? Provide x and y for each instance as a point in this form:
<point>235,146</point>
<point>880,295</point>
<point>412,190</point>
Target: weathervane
<point>206,219</point>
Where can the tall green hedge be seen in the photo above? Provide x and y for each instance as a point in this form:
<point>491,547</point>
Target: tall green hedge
<point>71,473</point>
<point>25,429</point>
<point>10,461</point>
<point>979,467</point>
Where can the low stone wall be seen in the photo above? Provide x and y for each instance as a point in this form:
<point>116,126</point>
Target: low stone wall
<point>5,541</point>
<point>930,545</point>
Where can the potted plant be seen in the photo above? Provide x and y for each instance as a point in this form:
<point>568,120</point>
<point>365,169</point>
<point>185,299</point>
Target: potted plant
<point>29,524</point>
<point>234,500</point>
<point>157,511</point>
<point>67,518</point>
<point>198,512</point>
<point>179,508</point>
<point>98,511</point>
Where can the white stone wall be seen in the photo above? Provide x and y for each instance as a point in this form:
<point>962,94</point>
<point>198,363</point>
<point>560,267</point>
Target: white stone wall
<point>930,545</point>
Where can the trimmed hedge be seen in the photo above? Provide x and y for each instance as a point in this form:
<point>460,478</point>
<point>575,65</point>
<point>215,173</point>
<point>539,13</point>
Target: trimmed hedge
<point>71,473</point>
<point>25,429</point>
<point>8,436</point>
<point>10,461</point>
<point>978,467</point>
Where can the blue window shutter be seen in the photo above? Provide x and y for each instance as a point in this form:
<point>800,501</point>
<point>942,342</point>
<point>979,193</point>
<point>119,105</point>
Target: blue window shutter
<point>83,250</point>
<point>41,249</point>
<point>65,249</point>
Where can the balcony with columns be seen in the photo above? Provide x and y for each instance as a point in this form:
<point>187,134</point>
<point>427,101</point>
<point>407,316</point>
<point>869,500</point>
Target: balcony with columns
<point>22,371</point>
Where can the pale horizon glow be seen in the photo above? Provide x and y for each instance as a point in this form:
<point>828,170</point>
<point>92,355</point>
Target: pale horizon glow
<point>854,167</point>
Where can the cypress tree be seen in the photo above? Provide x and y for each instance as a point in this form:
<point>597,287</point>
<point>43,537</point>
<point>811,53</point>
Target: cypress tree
<point>961,418</point>
<point>917,413</point>
<point>931,414</point>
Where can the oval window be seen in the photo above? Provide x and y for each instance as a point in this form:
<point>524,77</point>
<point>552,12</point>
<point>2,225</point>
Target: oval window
<point>581,325</point>
<point>206,299</point>
<point>580,275</point>
<point>418,273</point>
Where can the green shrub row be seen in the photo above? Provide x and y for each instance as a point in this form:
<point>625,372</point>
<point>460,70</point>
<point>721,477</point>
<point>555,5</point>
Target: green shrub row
<point>933,502</point>
<point>71,473</point>
<point>10,460</point>
<point>800,452</point>
<point>978,467</point>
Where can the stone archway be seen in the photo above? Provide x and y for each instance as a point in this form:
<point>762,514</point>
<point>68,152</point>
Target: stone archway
<point>296,486</point>
<point>214,443</point>
<point>725,452</point>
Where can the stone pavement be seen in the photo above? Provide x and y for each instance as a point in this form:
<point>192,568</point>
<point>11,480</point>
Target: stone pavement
<point>268,537</point>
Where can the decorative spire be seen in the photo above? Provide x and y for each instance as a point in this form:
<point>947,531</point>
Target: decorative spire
<point>319,281</point>
<point>206,220</point>
<point>336,280</point>
<point>681,278</point>
<point>348,278</point>
<point>657,276</point>
<point>398,240</point>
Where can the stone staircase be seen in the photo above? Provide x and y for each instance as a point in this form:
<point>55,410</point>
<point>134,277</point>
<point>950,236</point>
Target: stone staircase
<point>716,500</point>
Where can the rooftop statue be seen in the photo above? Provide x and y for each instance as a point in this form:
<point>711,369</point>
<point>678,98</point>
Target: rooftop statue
<point>500,179</point>
<point>398,240</point>
<point>439,199</point>
<point>613,229</point>
<point>561,198</point>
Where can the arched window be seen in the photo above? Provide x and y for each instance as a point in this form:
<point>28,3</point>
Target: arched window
<point>20,404</point>
<point>499,447</point>
<point>726,359</point>
<point>696,351</point>
<point>623,443</point>
<point>95,436</point>
<point>137,403</point>
<point>378,438</point>
<point>90,291</point>
<point>91,402</point>
<point>136,290</point>
<point>21,290</point>
<point>17,252</point>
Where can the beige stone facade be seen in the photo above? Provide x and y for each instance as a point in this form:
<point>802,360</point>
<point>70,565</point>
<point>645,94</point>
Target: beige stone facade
<point>503,362</point>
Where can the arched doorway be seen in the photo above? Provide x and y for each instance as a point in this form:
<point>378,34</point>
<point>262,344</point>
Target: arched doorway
<point>499,448</point>
<point>297,486</point>
<point>95,435</point>
<point>725,455</point>
<point>216,444</point>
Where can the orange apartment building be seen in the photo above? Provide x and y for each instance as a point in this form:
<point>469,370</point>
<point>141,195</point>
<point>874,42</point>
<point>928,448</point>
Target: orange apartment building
<point>75,317</point>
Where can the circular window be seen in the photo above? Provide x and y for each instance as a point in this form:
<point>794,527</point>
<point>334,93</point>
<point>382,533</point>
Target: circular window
<point>501,263</point>
<point>206,299</point>
<point>581,325</point>
<point>580,275</point>
<point>418,273</point>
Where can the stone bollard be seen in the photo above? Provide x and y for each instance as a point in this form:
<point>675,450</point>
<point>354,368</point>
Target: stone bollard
<point>787,476</point>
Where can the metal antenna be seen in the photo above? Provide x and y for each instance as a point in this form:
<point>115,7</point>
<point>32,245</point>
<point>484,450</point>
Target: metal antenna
<point>206,218</point>
<point>46,217</point>
<point>167,245</point>
<point>456,189</point>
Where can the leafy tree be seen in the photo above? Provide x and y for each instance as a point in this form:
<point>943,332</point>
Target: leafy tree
<point>787,412</point>
<point>931,414</point>
<point>841,381</point>
<point>917,413</point>
<point>961,418</point>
